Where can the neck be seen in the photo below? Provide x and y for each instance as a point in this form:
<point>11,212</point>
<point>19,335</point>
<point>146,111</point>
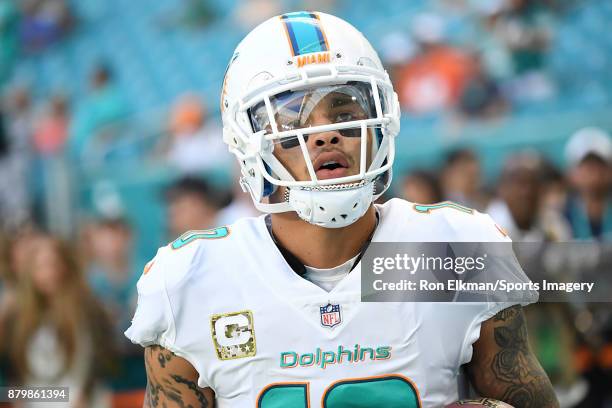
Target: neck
<point>320,247</point>
<point>595,204</point>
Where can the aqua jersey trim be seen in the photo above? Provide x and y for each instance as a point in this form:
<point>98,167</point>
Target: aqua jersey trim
<point>190,236</point>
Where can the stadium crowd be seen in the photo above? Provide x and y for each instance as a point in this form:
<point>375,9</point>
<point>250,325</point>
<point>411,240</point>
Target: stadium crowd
<point>65,299</point>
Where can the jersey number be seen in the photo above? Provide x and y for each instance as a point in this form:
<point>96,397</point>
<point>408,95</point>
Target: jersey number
<point>389,391</point>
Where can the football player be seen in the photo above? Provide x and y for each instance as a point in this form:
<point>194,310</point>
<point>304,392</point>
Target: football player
<point>267,312</point>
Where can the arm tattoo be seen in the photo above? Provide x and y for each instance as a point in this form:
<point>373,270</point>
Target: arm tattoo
<point>167,386</point>
<point>515,366</point>
<point>193,387</point>
<point>162,357</point>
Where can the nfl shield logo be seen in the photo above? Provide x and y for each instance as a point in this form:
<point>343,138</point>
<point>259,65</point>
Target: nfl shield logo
<point>330,315</point>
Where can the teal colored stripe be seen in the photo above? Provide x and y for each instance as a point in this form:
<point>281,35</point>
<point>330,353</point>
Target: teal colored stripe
<point>191,236</point>
<point>425,208</point>
<point>305,33</point>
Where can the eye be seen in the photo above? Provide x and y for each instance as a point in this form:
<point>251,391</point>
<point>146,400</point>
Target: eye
<point>344,117</point>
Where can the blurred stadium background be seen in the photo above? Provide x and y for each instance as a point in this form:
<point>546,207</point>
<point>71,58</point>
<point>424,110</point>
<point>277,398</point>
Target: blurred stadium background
<point>110,140</point>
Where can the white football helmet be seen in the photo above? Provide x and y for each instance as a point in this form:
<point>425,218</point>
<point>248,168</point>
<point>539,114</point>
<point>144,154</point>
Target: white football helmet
<point>303,77</point>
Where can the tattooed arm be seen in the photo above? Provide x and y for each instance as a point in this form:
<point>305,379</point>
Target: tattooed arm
<point>172,382</point>
<point>504,367</point>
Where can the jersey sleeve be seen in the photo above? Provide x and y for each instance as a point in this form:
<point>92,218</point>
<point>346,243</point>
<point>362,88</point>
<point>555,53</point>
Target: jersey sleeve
<point>154,322</point>
<point>504,267</point>
<point>475,227</point>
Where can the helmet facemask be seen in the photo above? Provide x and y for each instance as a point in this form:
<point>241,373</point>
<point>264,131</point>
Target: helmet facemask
<point>320,135</point>
<point>323,147</point>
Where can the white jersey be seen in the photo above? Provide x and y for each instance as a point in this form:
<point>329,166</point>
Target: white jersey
<point>262,336</point>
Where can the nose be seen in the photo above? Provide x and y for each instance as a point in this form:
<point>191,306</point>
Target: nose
<point>322,139</point>
<point>325,138</point>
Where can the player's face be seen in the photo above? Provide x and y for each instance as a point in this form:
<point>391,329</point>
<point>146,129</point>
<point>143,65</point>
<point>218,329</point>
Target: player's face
<point>334,153</point>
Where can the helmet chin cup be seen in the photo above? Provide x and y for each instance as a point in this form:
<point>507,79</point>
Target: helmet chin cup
<point>333,206</point>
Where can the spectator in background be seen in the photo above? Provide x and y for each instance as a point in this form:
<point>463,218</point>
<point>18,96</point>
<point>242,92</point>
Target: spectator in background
<point>435,77</point>
<point>524,27</point>
<point>518,206</point>
<point>57,334</point>
<point>196,144</point>
<point>44,22</point>
<point>589,209</point>
<point>481,97</point>
<point>396,50</point>
<point>14,253</point>
<point>198,13</point>
<point>193,14</point>
<point>9,39</point>
<point>460,179</point>
<point>15,197</point>
<point>51,130</point>
<point>555,192</point>
<point>421,187</point>
<point>112,276</point>
<point>111,272</point>
<point>104,106</point>
<point>192,205</point>
<point>519,209</point>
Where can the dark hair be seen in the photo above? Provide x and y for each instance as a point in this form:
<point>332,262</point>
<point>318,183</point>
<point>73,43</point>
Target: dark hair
<point>190,185</point>
<point>459,154</point>
<point>117,223</point>
<point>430,179</point>
<point>75,309</point>
<point>594,158</point>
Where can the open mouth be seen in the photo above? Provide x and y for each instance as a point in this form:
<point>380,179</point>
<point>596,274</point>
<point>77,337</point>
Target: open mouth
<point>331,165</point>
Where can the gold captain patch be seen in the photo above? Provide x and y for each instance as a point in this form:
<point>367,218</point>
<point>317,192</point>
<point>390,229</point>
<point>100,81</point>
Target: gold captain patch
<point>233,335</point>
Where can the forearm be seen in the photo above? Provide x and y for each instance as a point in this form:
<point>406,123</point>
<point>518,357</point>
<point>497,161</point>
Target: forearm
<point>504,366</point>
<point>172,382</point>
